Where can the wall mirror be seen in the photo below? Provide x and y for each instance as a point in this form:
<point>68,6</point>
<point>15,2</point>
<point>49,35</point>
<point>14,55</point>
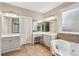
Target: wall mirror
<point>70,20</point>
<point>10,25</point>
<point>42,26</point>
<point>45,26</point>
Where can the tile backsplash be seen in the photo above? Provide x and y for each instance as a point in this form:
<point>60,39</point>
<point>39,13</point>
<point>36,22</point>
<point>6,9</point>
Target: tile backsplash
<point>68,37</point>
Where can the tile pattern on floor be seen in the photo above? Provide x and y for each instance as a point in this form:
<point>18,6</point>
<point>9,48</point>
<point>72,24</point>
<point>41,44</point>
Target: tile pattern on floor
<point>30,50</point>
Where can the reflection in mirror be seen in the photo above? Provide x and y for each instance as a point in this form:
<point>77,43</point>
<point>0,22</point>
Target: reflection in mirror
<point>34,26</point>
<point>45,26</point>
<point>42,26</point>
<point>70,20</point>
<point>15,25</point>
<point>39,26</point>
<point>10,25</point>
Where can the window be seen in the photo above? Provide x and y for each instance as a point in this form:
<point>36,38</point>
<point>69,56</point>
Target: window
<point>15,25</point>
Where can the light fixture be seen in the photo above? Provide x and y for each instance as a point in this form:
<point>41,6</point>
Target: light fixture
<point>10,15</point>
<point>39,21</point>
<point>14,15</point>
<point>6,14</point>
<point>0,13</point>
<point>50,18</point>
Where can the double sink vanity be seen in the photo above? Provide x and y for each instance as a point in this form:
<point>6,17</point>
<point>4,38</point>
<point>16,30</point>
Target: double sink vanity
<point>10,42</point>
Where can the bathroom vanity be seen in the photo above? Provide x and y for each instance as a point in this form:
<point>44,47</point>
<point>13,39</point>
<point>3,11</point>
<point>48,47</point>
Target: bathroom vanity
<point>10,36</point>
<point>46,30</point>
<point>46,37</point>
<point>10,42</point>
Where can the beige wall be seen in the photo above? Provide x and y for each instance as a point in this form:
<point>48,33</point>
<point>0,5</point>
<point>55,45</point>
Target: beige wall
<point>21,11</point>
<point>53,26</point>
<point>36,15</point>
<point>9,24</point>
<point>59,14</point>
<point>0,34</point>
<point>56,10</point>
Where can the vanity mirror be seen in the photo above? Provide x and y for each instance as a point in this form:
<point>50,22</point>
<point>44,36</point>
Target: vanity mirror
<point>10,24</point>
<point>45,26</point>
<point>42,26</point>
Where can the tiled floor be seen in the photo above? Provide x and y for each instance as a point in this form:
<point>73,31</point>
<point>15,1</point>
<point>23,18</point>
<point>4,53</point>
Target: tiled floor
<point>30,50</point>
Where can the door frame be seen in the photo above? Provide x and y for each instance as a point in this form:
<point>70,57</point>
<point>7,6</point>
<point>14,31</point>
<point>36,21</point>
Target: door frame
<point>21,30</point>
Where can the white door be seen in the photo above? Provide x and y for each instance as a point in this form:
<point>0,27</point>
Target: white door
<point>26,30</point>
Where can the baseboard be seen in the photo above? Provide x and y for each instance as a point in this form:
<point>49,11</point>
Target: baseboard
<point>26,43</point>
<point>10,50</point>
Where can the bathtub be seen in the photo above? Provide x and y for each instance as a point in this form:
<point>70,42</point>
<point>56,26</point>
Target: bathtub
<point>64,48</point>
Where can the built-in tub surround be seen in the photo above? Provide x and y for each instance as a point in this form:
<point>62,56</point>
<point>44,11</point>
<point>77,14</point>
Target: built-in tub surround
<point>64,48</point>
<point>69,36</point>
<point>68,41</point>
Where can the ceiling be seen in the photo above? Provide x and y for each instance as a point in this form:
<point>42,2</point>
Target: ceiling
<point>42,7</point>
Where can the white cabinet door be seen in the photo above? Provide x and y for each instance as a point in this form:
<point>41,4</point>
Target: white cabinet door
<point>26,30</point>
<point>10,44</point>
<point>47,40</point>
<point>5,45</point>
<point>14,43</point>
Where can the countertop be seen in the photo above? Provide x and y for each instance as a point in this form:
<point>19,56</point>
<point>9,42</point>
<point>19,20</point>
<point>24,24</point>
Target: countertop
<point>44,33</point>
<point>10,35</point>
<point>75,33</point>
